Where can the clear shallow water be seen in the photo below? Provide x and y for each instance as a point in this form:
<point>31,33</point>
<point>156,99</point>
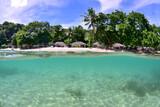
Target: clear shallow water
<point>80,81</point>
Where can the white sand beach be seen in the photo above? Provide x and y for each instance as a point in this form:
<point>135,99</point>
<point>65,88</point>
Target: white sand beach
<point>60,49</point>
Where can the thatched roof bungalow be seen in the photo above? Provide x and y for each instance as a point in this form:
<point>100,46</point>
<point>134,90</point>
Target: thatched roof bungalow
<point>78,44</point>
<point>60,44</point>
<point>118,46</point>
<point>97,45</point>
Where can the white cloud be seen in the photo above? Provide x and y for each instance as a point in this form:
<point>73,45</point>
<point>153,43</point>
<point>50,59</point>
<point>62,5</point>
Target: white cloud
<point>19,3</point>
<point>16,10</point>
<point>23,11</point>
<point>23,3</point>
<point>56,3</point>
<point>109,4</point>
<point>141,3</point>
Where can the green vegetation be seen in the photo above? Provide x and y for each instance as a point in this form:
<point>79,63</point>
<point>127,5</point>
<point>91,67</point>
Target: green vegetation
<point>131,29</point>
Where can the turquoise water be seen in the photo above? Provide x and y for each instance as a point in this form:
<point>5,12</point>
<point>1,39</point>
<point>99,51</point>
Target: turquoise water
<point>80,81</point>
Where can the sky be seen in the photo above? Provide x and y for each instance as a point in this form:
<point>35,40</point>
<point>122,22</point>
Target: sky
<point>70,12</point>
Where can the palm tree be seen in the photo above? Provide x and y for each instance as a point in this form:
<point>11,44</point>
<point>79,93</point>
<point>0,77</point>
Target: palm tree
<point>70,33</point>
<point>90,20</point>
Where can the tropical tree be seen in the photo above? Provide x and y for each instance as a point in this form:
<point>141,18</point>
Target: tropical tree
<point>150,39</point>
<point>10,29</point>
<point>44,37</point>
<point>68,33</point>
<point>137,24</point>
<point>78,34</point>
<point>3,39</point>
<point>35,33</point>
<point>108,27</point>
<point>21,38</point>
<point>130,29</point>
<point>58,33</point>
<point>90,19</point>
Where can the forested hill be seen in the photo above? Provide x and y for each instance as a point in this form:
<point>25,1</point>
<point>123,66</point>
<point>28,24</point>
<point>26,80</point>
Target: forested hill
<point>132,29</point>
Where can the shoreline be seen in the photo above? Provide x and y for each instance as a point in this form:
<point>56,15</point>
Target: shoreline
<point>76,50</point>
<point>60,49</point>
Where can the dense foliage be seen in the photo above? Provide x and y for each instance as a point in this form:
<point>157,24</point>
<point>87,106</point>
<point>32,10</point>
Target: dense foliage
<point>131,29</point>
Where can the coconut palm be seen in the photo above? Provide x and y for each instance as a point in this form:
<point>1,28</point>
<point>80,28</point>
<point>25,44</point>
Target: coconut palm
<point>90,20</point>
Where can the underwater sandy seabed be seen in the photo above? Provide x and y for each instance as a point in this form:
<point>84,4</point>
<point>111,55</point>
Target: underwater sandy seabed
<point>80,81</point>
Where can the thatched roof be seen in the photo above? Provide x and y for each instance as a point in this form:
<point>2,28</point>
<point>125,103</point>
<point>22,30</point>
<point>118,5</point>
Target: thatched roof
<point>97,45</point>
<point>139,48</point>
<point>35,46</point>
<point>78,44</point>
<point>60,44</point>
<point>118,45</point>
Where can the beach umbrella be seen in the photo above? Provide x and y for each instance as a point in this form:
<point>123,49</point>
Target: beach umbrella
<point>78,44</point>
<point>60,44</point>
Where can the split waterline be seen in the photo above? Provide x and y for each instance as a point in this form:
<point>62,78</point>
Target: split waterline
<point>79,80</point>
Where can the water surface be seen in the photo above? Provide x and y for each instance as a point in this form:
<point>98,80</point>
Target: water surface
<point>80,81</point>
